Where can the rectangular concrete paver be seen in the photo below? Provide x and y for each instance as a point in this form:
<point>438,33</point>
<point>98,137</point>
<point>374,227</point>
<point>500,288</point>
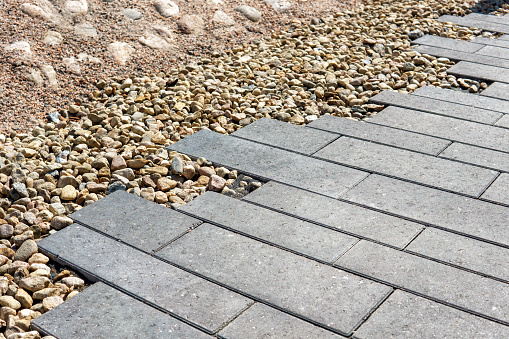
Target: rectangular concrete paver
<point>499,190</point>
<point>284,135</point>
<point>134,220</point>
<point>477,156</point>
<point>488,18</point>
<point>380,134</point>
<point>475,22</point>
<point>404,315</point>
<point>448,43</point>
<point>314,291</point>
<point>459,97</point>
<point>436,106</point>
<point>448,210</point>
<point>124,317</point>
<point>491,42</point>
<point>270,163</point>
<point>408,165</point>
<point>462,251</point>
<point>463,56</point>
<point>333,213</point>
<point>261,321</point>
<point>498,90</point>
<point>174,290</point>
<point>494,51</point>
<point>503,122</point>
<point>444,127</point>
<point>480,71</point>
<point>429,278</point>
<point>304,237</point>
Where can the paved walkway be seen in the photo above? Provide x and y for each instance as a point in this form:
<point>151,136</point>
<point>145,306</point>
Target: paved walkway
<point>396,227</point>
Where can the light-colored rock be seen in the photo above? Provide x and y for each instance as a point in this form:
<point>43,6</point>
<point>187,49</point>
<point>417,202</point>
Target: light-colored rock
<point>60,222</point>
<point>38,258</point>
<point>53,38</point>
<point>34,283</point>
<point>26,250</point>
<point>8,301</point>
<point>24,298</point>
<point>72,65</point>
<point>223,18</point>
<point>73,282</point>
<point>166,8</point>
<point>26,335</point>
<point>20,46</point>
<point>250,13</point>
<point>120,52</point>
<point>191,24</point>
<point>132,13</point>
<point>76,7</point>
<point>85,29</point>
<point>279,5</point>
<point>216,183</point>
<point>49,73</point>
<point>68,193</point>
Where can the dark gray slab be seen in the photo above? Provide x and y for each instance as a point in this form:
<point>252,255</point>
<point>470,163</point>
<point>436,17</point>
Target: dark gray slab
<point>498,90</point>
<point>436,106</point>
<point>261,321</point>
<point>480,71</point>
<point>459,97</point>
<point>477,155</point>
<point>381,134</point>
<point>499,190</point>
<point>488,18</point>
<point>463,56</point>
<point>134,220</point>
<point>304,237</point>
<point>444,127</point>
<point>176,291</point>
<point>404,316</point>
<point>270,163</point>
<point>318,292</point>
<point>448,43</point>
<point>503,122</point>
<point>408,165</point>
<point>430,278</point>
<point>491,42</point>
<point>475,22</point>
<point>343,216</point>
<point>124,317</point>
<point>281,134</point>
<point>494,51</point>
<point>448,210</point>
<point>463,251</point>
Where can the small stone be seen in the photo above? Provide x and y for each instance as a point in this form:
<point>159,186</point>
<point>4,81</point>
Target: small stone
<point>216,183</point>
<point>132,13</point>
<point>191,24</point>
<point>177,166</point>
<point>26,250</point>
<point>166,184</point>
<point>278,5</point>
<point>416,34</point>
<point>118,163</point>
<point>60,222</point>
<point>136,163</point>
<point>166,8</point>
<point>223,18</point>
<point>250,13</point>
<point>68,193</point>
<point>24,298</point>
<point>26,335</point>
<point>203,180</point>
<point>126,173</point>
<point>115,186</point>
<point>189,172</point>
<point>160,197</point>
<point>35,11</point>
<point>38,258</point>
<point>53,38</point>
<point>120,52</point>
<point>76,7</point>
<point>52,302</point>
<point>34,283</point>
<point>46,292</point>
<point>6,231</point>
<point>8,301</point>
<point>49,73</point>
<point>408,66</point>
<point>85,29</point>
<point>73,282</point>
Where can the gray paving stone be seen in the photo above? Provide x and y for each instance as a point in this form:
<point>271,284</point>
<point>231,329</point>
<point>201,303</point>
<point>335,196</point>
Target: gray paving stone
<point>499,190</point>
<point>134,220</point>
<point>331,297</point>
<point>498,90</point>
<point>494,51</point>
<point>448,43</point>
<point>176,291</point>
<point>381,134</point>
<point>304,237</point>
<point>448,210</point>
<point>503,122</point>
<point>491,42</point>
<point>479,71</point>
<point>404,315</point>
<point>504,37</point>
<point>281,134</point>
<point>475,22</point>
<point>126,317</point>
<point>271,163</point>
<point>477,156</point>
<point>462,56</point>
<point>462,251</point>
<point>331,212</point>
<point>488,18</point>
<point>469,99</point>
<point>436,106</point>
<point>261,321</point>
<point>408,165</point>
<point>430,278</point>
<point>444,127</point>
